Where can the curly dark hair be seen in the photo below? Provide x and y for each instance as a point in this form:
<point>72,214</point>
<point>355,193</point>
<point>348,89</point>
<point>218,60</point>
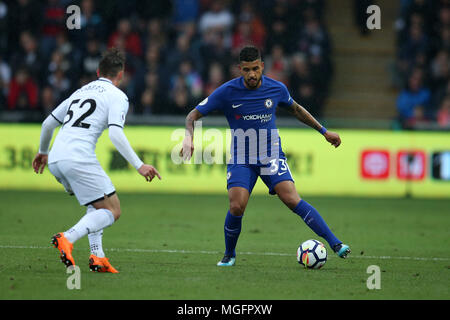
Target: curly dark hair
<point>249,54</point>
<point>112,62</point>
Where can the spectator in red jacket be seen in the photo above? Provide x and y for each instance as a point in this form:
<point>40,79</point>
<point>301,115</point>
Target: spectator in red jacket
<point>131,39</point>
<point>23,92</point>
<point>443,114</point>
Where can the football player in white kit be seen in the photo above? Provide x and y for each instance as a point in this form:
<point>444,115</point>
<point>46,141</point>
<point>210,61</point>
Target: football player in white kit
<point>72,160</point>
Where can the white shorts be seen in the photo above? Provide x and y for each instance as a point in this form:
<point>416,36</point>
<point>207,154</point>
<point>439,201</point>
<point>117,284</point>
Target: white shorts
<point>88,181</point>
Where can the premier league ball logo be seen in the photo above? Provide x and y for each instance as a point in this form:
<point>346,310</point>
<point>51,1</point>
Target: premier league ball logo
<point>268,103</point>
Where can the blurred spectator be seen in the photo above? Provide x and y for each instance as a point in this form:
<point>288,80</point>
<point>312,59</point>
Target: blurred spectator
<point>147,102</point>
<point>60,83</point>
<point>92,25</point>
<point>151,95</point>
<point>212,49</point>
<point>277,64</point>
<point>321,71</point>
<point>3,27</point>
<point>439,69</point>
<point>302,85</point>
<point>443,114</point>
<point>249,30</point>
<point>310,8</point>
<point>216,78</point>
<point>91,58</point>
<point>300,71</point>
<point>91,21</point>
<point>188,78</point>
<point>415,45</point>
<point>58,62</point>
<point>280,26</point>
<point>48,102</point>
<point>180,52</point>
<point>66,47</point>
<point>28,55</point>
<point>217,21</point>
<point>24,15</point>
<point>181,102</point>
<point>23,92</point>
<point>155,34</point>
<point>53,24</point>
<point>152,66</point>
<point>130,38</point>
<point>314,38</point>
<point>5,78</point>
<point>413,101</point>
<point>184,12</point>
<point>307,97</point>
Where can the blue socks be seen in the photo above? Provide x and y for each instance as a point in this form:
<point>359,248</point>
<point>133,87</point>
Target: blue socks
<point>308,213</point>
<point>232,229</point>
<point>313,219</point>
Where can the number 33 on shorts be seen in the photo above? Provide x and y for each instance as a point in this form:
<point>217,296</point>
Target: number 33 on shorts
<point>278,166</point>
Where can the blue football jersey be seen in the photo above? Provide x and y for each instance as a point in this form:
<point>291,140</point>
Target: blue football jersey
<point>250,115</point>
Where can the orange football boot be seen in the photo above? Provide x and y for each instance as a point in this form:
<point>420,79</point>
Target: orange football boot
<point>65,248</point>
<point>97,264</point>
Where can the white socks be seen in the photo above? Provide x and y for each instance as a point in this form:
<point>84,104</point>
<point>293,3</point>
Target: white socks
<point>95,243</point>
<point>93,221</point>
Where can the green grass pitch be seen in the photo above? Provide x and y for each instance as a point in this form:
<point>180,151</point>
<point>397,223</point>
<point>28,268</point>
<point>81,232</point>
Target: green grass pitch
<point>167,246</point>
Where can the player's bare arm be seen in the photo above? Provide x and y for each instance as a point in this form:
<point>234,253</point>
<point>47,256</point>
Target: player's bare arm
<point>304,116</point>
<point>188,143</point>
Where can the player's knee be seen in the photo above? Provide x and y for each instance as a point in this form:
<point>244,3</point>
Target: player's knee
<point>116,213</point>
<point>291,201</point>
<point>114,205</point>
<point>237,208</point>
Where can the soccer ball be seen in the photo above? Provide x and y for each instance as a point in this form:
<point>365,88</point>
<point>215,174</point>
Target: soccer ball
<point>312,254</point>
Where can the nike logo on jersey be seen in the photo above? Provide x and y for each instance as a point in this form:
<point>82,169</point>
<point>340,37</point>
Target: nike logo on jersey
<point>281,173</point>
<point>237,106</point>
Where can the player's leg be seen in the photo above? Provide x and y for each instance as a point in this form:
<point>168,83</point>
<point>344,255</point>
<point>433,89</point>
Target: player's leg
<point>100,215</point>
<point>91,186</point>
<point>59,241</point>
<point>287,193</point>
<point>238,198</point>
<point>241,180</point>
<point>97,260</point>
<point>106,212</point>
<point>95,238</point>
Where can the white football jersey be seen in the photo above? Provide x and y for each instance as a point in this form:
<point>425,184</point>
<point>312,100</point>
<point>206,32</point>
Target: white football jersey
<point>84,116</point>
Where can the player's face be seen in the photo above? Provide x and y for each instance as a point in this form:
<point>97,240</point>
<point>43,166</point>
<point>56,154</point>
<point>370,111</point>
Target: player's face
<point>252,73</point>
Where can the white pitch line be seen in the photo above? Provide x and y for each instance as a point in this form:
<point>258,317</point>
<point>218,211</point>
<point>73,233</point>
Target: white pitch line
<point>245,253</point>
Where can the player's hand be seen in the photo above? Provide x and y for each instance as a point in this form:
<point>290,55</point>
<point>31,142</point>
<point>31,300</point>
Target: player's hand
<point>333,138</point>
<point>39,162</point>
<point>149,172</point>
<point>188,149</point>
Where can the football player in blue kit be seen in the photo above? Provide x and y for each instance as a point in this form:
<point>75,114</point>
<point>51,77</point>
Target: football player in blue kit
<point>249,104</point>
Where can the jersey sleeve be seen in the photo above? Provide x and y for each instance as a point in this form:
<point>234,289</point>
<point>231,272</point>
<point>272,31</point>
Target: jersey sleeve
<point>118,112</point>
<point>285,98</point>
<point>59,113</point>
<point>216,101</point>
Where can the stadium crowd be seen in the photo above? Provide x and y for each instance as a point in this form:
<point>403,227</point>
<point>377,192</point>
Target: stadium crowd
<point>177,51</point>
<point>422,63</point>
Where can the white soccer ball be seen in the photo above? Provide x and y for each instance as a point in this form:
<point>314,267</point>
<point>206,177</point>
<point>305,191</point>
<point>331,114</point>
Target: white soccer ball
<point>312,254</point>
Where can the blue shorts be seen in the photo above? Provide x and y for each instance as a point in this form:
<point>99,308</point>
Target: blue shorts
<point>246,175</point>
